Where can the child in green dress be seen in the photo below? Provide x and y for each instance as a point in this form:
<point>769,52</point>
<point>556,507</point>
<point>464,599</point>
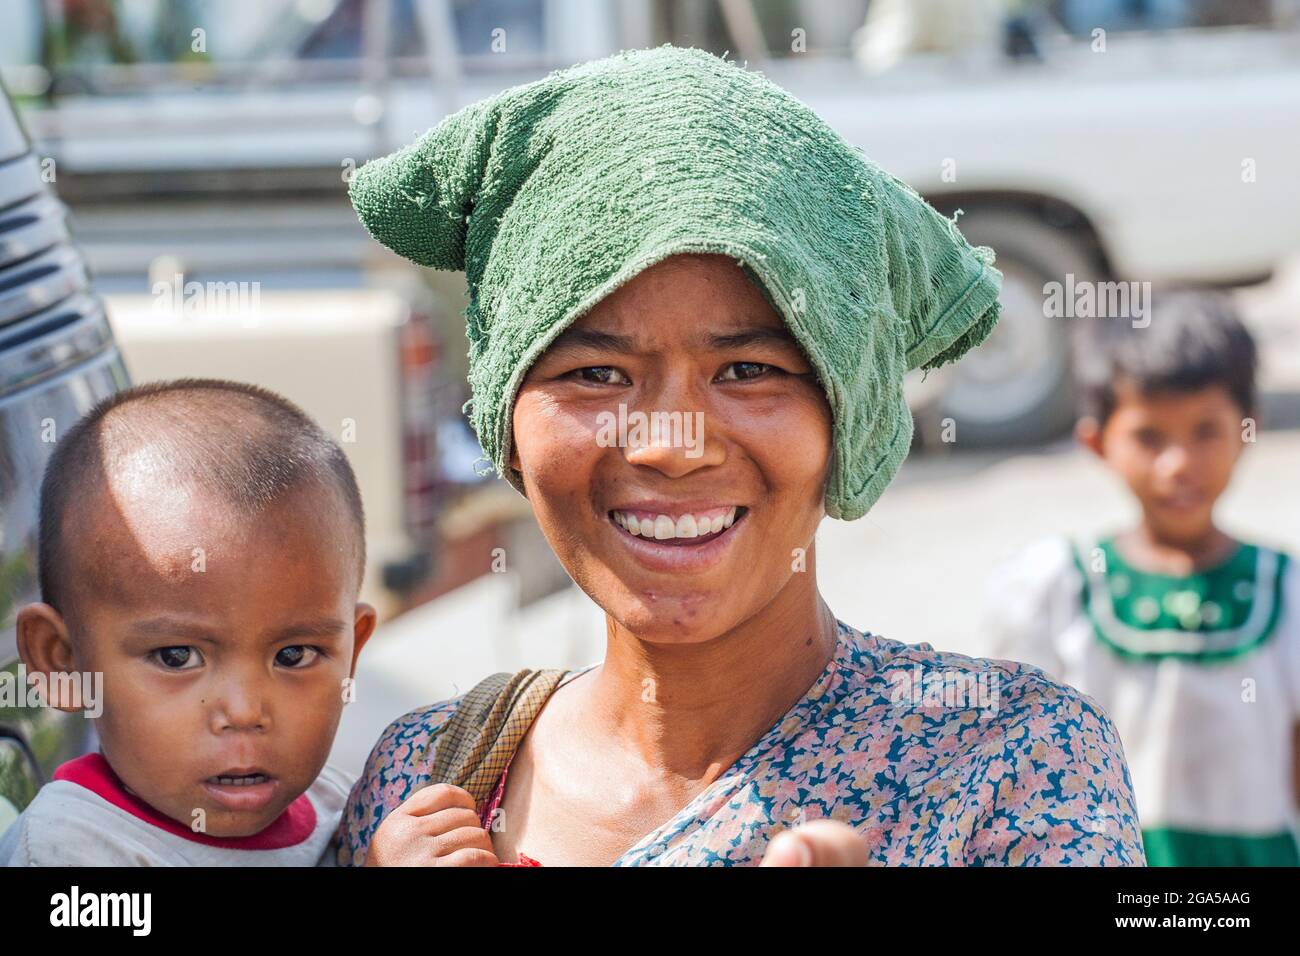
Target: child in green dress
<point>1188,637</point>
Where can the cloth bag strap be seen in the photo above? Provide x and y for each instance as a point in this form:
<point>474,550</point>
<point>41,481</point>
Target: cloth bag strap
<point>480,737</point>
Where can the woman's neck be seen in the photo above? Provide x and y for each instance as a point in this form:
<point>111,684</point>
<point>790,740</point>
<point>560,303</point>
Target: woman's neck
<point>690,710</point>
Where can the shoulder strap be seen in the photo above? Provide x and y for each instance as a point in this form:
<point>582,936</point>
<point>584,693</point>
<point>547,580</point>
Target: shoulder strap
<point>478,740</point>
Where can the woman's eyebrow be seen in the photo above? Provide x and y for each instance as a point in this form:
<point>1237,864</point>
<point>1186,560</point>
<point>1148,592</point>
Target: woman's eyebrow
<point>592,339</point>
<point>613,342</point>
<point>761,336</point>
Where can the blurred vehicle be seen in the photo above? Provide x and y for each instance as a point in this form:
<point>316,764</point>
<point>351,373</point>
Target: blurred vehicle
<point>1097,141</point>
<point>1084,140</point>
<point>361,361</point>
<point>57,358</point>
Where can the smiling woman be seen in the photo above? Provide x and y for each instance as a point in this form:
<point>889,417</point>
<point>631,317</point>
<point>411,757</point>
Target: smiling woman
<point>664,234</point>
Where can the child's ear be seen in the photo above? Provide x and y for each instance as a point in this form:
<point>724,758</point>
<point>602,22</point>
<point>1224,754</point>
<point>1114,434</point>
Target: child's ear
<point>1087,432</point>
<point>362,627</point>
<point>45,646</point>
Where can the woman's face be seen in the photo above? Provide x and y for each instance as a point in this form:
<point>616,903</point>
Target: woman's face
<point>681,407</point>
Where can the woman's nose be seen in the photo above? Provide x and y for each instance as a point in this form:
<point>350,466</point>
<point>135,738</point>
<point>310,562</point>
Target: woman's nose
<point>673,435</point>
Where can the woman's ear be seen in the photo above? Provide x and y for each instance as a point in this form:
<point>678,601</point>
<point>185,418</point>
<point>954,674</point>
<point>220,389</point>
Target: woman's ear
<point>1087,432</point>
<point>45,647</point>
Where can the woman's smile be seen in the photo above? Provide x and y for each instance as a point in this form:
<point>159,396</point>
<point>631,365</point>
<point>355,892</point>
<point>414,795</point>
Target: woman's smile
<point>676,539</point>
<point>685,525</point>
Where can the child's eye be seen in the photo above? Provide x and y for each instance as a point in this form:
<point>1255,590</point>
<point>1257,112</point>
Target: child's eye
<point>601,375</point>
<point>178,658</point>
<point>298,655</point>
<point>744,371</point>
<point>1149,438</point>
<point>1207,431</point>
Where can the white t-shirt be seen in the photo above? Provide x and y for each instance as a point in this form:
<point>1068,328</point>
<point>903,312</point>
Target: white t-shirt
<point>85,817</point>
<point>1205,713</point>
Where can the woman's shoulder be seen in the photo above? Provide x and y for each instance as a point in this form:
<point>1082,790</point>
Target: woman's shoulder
<point>1010,741</point>
<point>958,709</point>
<point>917,676</point>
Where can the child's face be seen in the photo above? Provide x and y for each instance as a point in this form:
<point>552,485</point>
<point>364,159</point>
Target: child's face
<point>224,641</point>
<point>1175,450</point>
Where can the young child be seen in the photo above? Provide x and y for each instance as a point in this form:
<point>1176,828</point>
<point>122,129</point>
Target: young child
<point>201,547</point>
<point>1188,638</point>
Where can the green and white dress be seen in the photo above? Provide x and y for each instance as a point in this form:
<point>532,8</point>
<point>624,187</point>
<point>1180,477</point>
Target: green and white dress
<point>1200,674</point>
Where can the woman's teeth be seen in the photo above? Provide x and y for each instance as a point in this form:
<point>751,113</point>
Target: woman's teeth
<point>663,527</point>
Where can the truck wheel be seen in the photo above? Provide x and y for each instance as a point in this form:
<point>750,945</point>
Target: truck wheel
<point>1015,388</point>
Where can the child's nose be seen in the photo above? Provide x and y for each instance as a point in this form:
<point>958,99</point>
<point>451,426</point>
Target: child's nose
<point>241,709</point>
<point>1174,459</point>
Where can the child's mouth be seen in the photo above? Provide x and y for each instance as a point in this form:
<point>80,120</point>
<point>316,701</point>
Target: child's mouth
<point>240,780</point>
<point>242,790</point>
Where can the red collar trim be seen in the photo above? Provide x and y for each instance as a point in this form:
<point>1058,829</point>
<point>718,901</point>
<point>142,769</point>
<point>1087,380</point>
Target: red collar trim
<point>92,771</point>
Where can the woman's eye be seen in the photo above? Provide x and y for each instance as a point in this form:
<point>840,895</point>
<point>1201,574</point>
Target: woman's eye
<point>299,655</point>
<point>602,375</point>
<point>739,371</point>
<point>178,658</point>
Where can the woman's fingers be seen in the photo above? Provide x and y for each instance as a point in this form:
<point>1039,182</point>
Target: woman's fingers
<point>817,843</point>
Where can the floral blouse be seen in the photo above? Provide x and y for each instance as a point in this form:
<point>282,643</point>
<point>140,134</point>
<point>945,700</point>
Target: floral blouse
<point>937,759</point>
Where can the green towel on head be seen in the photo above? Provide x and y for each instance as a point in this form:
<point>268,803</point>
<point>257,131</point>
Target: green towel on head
<point>551,194</point>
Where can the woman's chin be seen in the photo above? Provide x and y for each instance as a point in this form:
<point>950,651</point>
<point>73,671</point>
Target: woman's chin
<point>667,619</point>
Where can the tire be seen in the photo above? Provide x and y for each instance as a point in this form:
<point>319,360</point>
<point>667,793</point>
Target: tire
<point>1015,389</point>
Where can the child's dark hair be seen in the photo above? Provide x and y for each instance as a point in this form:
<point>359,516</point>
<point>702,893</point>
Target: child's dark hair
<point>244,443</point>
<point>1193,340</point>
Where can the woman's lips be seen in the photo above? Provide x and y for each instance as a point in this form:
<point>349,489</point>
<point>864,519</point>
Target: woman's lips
<point>681,554</point>
<point>243,792</point>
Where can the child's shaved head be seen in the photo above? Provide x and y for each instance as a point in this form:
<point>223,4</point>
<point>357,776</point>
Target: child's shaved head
<point>244,445</point>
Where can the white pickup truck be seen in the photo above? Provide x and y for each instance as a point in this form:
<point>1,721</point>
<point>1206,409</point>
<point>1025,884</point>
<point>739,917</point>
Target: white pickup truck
<point>1152,156</point>
<point>1164,158</point>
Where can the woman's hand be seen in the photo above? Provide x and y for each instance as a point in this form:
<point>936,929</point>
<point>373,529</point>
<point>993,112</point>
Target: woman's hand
<point>435,826</point>
<point>817,843</point>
